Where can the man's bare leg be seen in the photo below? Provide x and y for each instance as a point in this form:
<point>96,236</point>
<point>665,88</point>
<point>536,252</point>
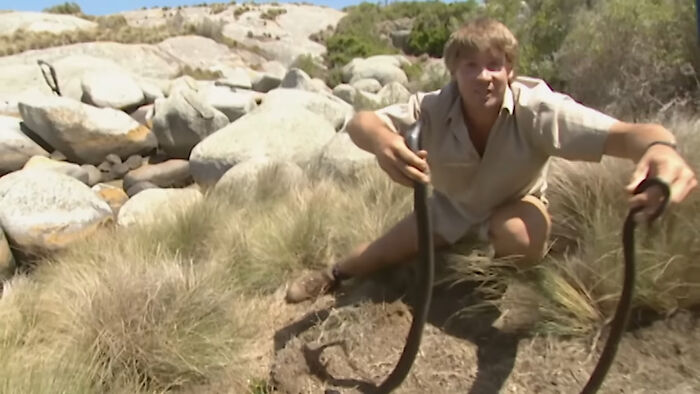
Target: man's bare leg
<point>518,229</point>
<point>399,244</point>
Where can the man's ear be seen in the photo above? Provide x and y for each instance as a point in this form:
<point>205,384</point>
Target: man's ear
<point>511,72</point>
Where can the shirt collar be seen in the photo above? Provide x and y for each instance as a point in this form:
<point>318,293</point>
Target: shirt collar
<point>456,108</point>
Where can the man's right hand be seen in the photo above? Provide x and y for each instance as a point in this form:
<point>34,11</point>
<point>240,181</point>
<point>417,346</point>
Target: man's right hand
<point>399,161</point>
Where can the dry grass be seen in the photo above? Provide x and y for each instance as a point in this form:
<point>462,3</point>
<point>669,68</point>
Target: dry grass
<point>180,304</point>
<point>186,303</point>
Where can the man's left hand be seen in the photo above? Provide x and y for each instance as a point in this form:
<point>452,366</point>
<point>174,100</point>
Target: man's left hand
<point>662,162</point>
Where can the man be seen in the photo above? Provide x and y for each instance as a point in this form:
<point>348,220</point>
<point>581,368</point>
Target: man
<point>488,137</point>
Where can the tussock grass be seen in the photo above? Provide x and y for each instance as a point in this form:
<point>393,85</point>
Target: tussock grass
<point>581,278</point>
<point>178,304</point>
<point>186,303</point>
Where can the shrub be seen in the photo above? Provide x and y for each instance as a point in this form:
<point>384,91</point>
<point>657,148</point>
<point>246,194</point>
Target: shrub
<point>273,13</point>
<point>70,8</point>
<point>642,55</point>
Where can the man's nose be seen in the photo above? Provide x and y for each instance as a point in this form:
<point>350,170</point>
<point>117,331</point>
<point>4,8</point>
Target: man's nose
<point>484,74</point>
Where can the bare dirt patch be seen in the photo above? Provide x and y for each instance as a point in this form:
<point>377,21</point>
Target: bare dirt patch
<point>351,346</point>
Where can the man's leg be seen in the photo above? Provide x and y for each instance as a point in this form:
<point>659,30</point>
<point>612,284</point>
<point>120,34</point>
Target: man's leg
<point>521,229</point>
<point>399,244</point>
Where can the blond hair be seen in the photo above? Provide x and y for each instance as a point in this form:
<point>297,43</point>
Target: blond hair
<point>480,35</point>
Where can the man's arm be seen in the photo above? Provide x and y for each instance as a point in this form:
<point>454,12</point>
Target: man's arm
<point>637,143</point>
<point>370,133</point>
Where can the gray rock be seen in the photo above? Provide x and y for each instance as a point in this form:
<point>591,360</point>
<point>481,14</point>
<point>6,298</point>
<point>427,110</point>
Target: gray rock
<point>144,114</point>
<point>345,92</point>
<point>113,159</point>
<point>85,134</point>
<point>94,174</point>
<point>44,210</point>
<point>119,170</point>
<point>298,79</point>
<point>290,133</point>
<point>237,77</point>
<point>394,93</point>
<point>369,85</point>
<point>245,176</point>
<point>71,169</point>
<point>342,157</point>
<point>183,120</point>
<point>154,204</point>
<point>139,187</point>
<point>134,162</point>
<point>233,104</point>
<point>7,261</point>
<point>171,173</point>
<point>110,89</point>
<point>335,110</point>
<point>383,68</point>
<point>15,147</point>
<point>265,82</point>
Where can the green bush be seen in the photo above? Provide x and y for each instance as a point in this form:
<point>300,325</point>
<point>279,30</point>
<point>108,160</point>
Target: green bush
<point>432,28</point>
<point>70,8</point>
<point>632,56</point>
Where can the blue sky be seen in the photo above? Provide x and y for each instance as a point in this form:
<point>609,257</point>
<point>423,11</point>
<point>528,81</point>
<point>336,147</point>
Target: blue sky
<point>101,7</point>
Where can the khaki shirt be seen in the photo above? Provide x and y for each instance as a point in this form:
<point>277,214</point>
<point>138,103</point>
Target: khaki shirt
<point>534,124</point>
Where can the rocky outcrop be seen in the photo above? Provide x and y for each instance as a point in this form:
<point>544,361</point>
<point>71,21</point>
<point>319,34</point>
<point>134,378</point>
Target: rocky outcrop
<point>16,148</point>
<point>85,134</point>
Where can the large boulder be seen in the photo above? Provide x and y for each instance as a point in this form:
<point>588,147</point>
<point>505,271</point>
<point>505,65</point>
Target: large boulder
<point>340,156</point>
<point>7,261</point>
<point>71,169</point>
<point>299,79</point>
<point>15,147</point>
<point>118,90</point>
<point>151,205</point>
<point>383,68</point>
<point>85,134</point>
<point>244,176</point>
<point>334,109</point>
<point>44,210</point>
<point>233,104</point>
<point>285,133</point>
<point>183,120</point>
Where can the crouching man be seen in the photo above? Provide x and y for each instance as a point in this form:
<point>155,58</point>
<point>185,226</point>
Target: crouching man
<point>488,136</point>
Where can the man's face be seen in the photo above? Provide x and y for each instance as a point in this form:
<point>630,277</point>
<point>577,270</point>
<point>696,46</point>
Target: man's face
<point>482,78</point>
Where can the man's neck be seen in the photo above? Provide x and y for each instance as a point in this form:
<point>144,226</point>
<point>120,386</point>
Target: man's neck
<point>479,126</point>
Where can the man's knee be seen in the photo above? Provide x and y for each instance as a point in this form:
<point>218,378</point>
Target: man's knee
<point>521,229</point>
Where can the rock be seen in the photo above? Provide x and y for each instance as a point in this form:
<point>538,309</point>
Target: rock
<point>134,162</point>
<point>233,104</point>
<point>58,156</point>
<point>7,261</point>
<point>399,39</point>
<point>345,92</point>
<point>62,167</point>
<point>198,52</point>
<point>263,82</point>
<point>383,68</point>
<point>44,210</point>
<point>393,93</point>
<point>119,170</point>
<point>369,85</point>
<point>144,114</point>
<point>342,157</point>
<point>112,195</point>
<point>298,79</point>
<point>139,187</point>
<point>171,173</point>
<point>85,134</point>
<point>236,77</point>
<point>151,91</point>
<point>154,204</point>
<point>244,176</point>
<point>335,110</point>
<point>110,89</point>
<point>113,159</point>
<point>94,174</point>
<point>286,133</point>
<point>15,147</point>
<point>183,120</point>
<point>41,22</point>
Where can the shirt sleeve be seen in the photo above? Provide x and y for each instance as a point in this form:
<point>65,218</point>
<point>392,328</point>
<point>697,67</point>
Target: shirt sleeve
<point>399,117</point>
<point>565,128</point>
